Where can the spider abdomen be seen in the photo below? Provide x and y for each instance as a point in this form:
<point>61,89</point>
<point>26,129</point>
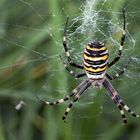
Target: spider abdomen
<point>95,60</point>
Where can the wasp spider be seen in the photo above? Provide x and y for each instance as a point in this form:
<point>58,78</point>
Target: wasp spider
<point>95,65</point>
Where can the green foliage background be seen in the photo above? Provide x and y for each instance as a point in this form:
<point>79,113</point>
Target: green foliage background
<point>25,44</point>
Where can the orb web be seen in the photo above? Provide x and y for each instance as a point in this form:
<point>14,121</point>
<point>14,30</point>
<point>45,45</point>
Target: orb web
<point>96,22</point>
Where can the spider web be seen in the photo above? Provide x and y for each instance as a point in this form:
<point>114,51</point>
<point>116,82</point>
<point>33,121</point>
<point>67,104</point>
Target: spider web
<point>97,21</point>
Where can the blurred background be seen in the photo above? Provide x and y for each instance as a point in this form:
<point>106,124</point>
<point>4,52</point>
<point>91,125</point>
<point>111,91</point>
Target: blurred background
<point>31,33</point>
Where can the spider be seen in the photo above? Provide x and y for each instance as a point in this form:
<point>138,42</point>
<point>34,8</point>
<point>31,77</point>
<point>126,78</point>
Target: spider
<point>95,66</point>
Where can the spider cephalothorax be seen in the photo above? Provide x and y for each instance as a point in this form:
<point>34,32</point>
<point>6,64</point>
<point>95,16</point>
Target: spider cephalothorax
<point>95,66</point>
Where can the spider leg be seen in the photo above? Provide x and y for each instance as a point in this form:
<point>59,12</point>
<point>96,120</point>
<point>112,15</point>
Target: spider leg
<point>119,73</point>
<point>121,43</point>
<point>128,109</point>
<point>77,97</point>
<point>67,50</point>
<point>72,72</point>
<point>117,99</point>
<point>121,111</point>
<point>118,104</point>
<point>74,92</point>
<point>122,114</point>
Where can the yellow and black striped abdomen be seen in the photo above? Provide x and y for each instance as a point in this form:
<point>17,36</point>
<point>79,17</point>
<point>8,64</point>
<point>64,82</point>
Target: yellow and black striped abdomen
<point>95,59</point>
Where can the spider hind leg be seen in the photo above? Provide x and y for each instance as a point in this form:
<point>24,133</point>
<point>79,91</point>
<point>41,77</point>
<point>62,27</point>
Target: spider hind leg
<point>117,58</point>
<point>71,71</point>
<point>67,52</point>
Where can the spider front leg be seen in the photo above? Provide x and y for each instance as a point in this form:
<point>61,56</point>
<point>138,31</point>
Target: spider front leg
<point>119,73</point>
<point>76,98</point>
<point>121,110</point>
<point>121,43</point>
<point>67,50</point>
<point>73,93</point>
<point>117,99</point>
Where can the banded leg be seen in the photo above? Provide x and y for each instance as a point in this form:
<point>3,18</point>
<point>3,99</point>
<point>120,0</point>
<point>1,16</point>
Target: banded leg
<point>67,50</point>
<point>121,43</point>
<point>73,93</point>
<point>116,98</point>
<point>121,111</point>
<point>118,105</point>
<point>128,109</point>
<point>120,101</point>
<point>77,97</point>
<point>122,114</point>
<point>72,72</point>
<point>119,73</point>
